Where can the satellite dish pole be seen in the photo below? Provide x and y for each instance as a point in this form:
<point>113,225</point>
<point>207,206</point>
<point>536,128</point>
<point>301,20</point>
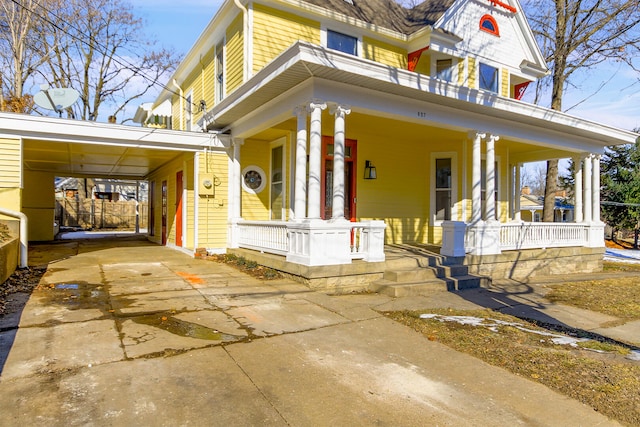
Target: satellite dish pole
<point>56,99</point>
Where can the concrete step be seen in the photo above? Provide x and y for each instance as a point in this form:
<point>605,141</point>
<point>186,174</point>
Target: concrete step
<point>459,283</point>
<point>396,289</point>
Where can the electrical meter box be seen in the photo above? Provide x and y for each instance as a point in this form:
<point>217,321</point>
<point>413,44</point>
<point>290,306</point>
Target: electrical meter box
<point>206,186</point>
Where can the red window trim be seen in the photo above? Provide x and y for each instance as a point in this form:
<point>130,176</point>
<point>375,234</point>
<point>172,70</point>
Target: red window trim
<point>493,22</point>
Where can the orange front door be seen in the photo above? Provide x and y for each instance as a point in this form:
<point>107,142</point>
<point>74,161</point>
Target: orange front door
<point>179,209</point>
<point>349,179</point>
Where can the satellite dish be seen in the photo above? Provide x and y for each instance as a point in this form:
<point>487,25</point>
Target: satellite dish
<point>56,99</point>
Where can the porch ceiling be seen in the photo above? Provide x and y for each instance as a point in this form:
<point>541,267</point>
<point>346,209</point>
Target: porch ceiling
<point>88,149</point>
<point>517,120</point>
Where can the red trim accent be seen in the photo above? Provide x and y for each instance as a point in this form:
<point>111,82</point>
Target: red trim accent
<point>494,23</point>
<point>504,5</point>
<point>519,90</point>
<point>414,57</point>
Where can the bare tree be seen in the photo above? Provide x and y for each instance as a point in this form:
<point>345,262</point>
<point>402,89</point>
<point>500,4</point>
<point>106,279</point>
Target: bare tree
<point>577,35</point>
<point>21,52</point>
<point>94,46</point>
<point>103,55</point>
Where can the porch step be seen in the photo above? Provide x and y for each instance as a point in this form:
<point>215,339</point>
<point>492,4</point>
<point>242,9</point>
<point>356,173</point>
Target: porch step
<point>423,272</point>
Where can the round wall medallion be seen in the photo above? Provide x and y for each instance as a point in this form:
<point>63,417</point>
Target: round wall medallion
<point>253,179</point>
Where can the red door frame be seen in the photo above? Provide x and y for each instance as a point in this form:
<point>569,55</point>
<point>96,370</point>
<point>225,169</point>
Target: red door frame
<point>349,165</point>
<point>179,191</point>
<point>164,212</point>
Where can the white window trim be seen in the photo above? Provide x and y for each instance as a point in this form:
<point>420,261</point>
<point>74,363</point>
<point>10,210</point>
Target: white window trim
<point>219,97</point>
<point>280,142</point>
<point>346,31</point>
<point>188,107</point>
<point>453,155</point>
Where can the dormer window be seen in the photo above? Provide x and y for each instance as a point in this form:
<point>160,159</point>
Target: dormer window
<point>342,42</point>
<point>489,24</point>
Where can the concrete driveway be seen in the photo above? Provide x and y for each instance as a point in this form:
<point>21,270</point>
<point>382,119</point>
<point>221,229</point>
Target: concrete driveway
<point>123,332</point>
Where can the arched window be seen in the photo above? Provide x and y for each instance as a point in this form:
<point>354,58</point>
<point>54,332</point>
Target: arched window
<point>489,24</point>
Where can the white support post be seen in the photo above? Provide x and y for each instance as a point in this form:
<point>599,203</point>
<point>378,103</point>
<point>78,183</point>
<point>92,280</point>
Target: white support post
<point>596,189</point>
<point>490,185</point>
<point>300,189</point>
<point>476,177</point>
<point>517,215</point>
<point>578,213</point>
<point>315,160</point>
<point>236,194</point>
<point>338,162</point>
<point>587,189</point>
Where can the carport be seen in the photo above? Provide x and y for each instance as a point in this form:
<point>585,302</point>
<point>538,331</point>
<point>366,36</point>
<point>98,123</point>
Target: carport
<point>34,150</point>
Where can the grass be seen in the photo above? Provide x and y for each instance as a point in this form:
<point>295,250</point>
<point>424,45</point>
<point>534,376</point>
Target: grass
<point>248,266</point>
<point>607,382</point>
<point>619,297</point>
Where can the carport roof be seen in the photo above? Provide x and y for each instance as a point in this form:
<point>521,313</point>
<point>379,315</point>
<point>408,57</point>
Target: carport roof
<point>78,148</point>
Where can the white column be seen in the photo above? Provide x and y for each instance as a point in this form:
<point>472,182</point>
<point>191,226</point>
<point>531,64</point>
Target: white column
<point>587,188</point>
<point>577,179</point>
<point>315,160</point>
<point>517,216</point>
<point>490,185</point>
<point>300,188</point>
<point>338,161</point>
<point>595,211</point>
<point>237,179</point>
<point>476,177</point>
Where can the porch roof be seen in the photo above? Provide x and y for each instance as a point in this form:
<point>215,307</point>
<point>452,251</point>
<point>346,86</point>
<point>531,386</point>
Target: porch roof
<point>80,148</point>
<point>448,105</point>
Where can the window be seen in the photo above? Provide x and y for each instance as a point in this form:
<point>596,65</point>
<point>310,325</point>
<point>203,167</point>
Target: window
<point>443,184</point>
<point>443,189</point>
<point>489,24</point>
<point>342,42</point>
<point>277,182</point>
<point>219,83</point>
<point>488,78</point>
<point>444,69</point>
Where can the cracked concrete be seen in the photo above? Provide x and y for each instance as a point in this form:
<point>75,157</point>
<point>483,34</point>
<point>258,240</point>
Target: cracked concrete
<point>140,334</point>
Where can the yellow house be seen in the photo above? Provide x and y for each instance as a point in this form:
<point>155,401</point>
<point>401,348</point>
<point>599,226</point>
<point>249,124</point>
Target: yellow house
<point>313,135</point>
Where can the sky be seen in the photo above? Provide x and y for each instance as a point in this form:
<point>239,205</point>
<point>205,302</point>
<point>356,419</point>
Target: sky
<point>178,24</point>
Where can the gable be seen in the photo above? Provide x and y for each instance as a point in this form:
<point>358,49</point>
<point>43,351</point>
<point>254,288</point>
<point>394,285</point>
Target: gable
<point>497,32</point>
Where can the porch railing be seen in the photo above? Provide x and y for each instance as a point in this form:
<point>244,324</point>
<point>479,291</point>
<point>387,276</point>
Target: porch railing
<point>303,241</point>
<point>529,235</point>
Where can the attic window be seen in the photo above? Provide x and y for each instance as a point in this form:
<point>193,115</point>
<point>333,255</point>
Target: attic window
<point>489,24</point>
<point>342,42</point>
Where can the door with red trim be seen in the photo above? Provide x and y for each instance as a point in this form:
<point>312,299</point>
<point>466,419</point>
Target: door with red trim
<point>350,153</point>
<point>164,212</point>
<point>179,192</point>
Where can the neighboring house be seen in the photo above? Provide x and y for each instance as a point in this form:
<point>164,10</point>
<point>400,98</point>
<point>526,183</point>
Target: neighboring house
<point>314,132</point>
<point>531,207</point>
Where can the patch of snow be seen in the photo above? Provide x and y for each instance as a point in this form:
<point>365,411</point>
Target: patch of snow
<point>634,355</point>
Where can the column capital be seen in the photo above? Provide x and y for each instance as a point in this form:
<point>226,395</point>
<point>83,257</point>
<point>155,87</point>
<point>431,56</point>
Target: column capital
<point>473,134</point>
<point>237,141</point>
<point>340,110</point>
<point>494,138</point>
<point>317,103</point>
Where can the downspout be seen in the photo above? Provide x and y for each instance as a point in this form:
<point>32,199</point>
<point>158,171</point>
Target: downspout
<point>245,28</point>
<point>175,83</point>
<point>23,234</point>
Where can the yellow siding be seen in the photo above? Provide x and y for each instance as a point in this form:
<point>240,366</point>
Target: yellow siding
<point>38,203</point>
<point>461,75</point>
<point>212,211</point>
<point>384,53</point>
<point>10,163</point>
<point>275,30</point>
<point>473,73</point>
<point>505,82</point>
<point>424,64</point>
<point>207,77</point>
<point>175,113</point>
<point>256,206</point>
<point>234,55</point>
<point>193,84</point>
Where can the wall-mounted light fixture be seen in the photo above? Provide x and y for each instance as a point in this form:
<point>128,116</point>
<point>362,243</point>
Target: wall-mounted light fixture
<point>369,170</point>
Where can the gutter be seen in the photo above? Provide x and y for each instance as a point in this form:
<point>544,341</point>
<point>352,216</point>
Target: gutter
<point>23,234</point>
<point>175,83</point>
